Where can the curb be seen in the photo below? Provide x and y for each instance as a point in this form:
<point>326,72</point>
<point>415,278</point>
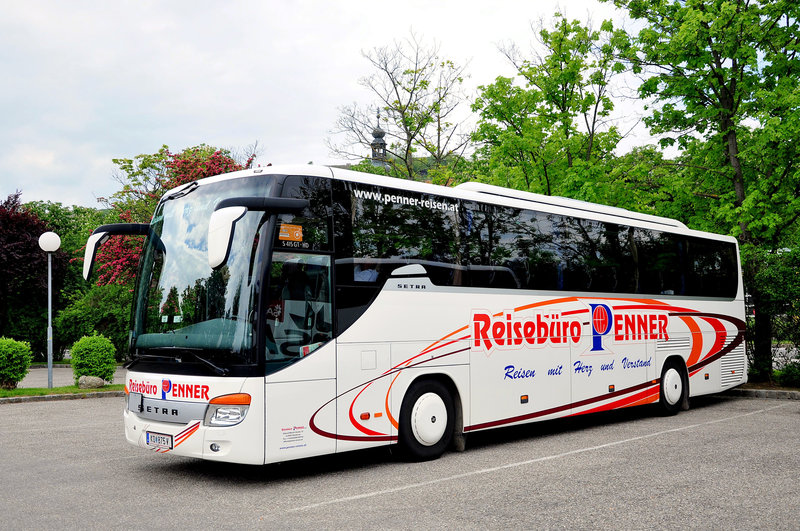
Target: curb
<point>763,393</point>
<point>50,398</point>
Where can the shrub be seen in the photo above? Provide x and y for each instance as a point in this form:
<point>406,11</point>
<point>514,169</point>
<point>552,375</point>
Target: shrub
<point>15,361</point>
<point>789,376</point>
<point>93,356</point>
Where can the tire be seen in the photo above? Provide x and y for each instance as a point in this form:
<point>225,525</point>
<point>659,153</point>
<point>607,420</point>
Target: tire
<point>674,388</point>
<point>426,420</point>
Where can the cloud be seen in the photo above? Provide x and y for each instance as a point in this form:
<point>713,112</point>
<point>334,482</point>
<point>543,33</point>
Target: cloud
<point>86,82</point>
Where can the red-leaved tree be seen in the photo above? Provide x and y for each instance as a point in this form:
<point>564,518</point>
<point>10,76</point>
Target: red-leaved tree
<point>145,178</point>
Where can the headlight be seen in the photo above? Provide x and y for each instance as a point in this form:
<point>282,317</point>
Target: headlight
<point>227,410</point>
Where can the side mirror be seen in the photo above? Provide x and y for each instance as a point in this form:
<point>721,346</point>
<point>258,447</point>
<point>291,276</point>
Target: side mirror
<point>94,241</point>
<point>220,233</point>
<point>101,234</point>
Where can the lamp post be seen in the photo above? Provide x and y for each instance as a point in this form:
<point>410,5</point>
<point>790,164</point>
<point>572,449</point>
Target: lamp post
<point>49,242</point>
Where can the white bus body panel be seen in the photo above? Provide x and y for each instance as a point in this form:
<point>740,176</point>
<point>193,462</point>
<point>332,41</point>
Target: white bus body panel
<point>577,365</point>
<point>379,358</point>
<point>292,407</point>
<point>430,330</point>
<point>300,407</point>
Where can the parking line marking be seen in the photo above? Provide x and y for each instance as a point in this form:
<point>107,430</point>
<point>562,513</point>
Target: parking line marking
<point>522,463</point>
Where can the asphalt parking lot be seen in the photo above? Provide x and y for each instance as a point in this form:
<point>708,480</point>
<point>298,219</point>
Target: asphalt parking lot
<point>727,463</point>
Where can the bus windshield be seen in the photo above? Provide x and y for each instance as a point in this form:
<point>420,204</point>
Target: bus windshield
<point>185,310</point>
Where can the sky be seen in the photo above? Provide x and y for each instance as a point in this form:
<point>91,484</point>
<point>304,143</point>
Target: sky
<point>87,82</point>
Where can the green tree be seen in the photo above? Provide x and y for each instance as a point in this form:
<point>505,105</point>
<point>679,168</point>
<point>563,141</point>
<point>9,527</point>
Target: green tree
<point>553,130</point>
<point>73,224</point>
<point>724,76</point>
<point>641,179</point>
<point>101,309</point>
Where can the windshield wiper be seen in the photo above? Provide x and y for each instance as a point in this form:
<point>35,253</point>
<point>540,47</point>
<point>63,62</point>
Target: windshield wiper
<point>191,187</point>
<point>220,371</point>
<point>141,357</point>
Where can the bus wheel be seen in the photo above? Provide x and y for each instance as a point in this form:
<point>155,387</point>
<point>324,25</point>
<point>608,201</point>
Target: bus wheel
<point>426,420</point>
<point>674,388</point>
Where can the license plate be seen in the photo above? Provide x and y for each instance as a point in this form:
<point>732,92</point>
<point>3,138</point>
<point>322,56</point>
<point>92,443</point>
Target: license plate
<point>158,440</point>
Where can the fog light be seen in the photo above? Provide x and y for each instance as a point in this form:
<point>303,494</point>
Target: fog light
<point>214,447</point>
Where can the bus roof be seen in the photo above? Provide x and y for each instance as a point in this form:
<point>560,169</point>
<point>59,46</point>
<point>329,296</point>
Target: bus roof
<point>469,191</point>
<point>488,193</point>
<point>574,204</point>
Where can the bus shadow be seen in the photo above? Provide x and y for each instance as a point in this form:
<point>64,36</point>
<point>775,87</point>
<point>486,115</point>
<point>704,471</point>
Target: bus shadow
<point>309,468</point>
<point>566,425</point>
<point>237,474</point>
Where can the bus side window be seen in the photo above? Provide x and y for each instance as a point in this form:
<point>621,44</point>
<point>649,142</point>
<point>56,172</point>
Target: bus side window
<point>365,272</point>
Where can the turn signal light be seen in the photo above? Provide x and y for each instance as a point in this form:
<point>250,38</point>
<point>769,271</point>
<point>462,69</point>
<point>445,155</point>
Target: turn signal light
<point>236,399</point>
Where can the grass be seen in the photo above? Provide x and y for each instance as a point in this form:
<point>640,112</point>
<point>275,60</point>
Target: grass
<point>67,390</point>
<point>65,361</point>
<point>58,362</point>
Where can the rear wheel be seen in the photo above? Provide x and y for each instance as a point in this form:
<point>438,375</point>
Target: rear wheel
<point>674,388</point>
<point>426,420</point>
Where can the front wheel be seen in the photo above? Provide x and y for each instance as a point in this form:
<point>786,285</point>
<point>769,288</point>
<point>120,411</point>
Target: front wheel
<point>426,420</point>
<point>674,388</point>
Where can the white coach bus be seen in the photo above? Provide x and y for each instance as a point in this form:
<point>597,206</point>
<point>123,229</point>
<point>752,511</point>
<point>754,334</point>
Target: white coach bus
<point>281,313</point>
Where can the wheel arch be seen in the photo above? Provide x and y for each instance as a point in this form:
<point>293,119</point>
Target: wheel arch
<point>680,363</point>
<point>458,405</point>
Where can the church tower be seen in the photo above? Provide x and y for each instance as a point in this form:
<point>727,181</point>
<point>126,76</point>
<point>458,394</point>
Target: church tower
<point>378,144</point>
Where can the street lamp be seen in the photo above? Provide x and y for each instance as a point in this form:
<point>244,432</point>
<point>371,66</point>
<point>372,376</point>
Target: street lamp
<point>49,242</point>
